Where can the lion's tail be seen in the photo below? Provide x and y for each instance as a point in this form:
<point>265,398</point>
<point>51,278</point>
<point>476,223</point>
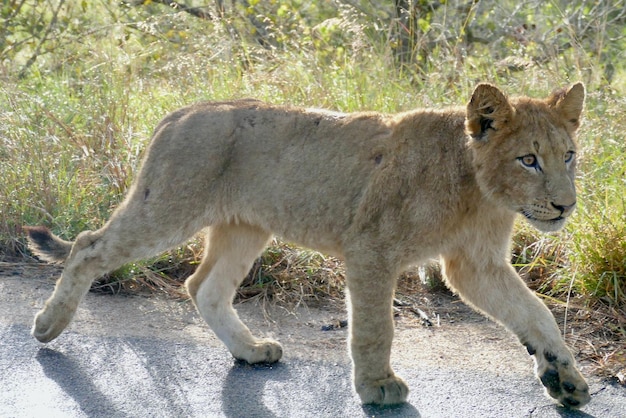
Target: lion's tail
<point>47,246</point>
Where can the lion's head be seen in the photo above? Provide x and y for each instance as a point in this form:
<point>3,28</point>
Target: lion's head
<point>524,151</point>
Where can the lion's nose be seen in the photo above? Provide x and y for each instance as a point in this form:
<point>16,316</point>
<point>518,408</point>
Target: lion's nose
<point>564,209</point>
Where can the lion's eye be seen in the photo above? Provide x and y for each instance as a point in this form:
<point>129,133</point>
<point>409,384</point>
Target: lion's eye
<point>569,156</point>
<point>529,161</point>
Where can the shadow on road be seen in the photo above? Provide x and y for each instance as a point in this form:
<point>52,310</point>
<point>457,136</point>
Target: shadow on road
<point>571,413</point>
<point>403,410</point>
<point>238,399</point>
<point>254,400</point>
<point>76,383</point>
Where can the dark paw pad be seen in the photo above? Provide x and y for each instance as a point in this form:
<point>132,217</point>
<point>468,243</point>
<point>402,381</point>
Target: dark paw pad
<point>571,402</point>
<point>550,379</point>
<point>567,393</point>
<point>569,387</point>
<point>551,358</point>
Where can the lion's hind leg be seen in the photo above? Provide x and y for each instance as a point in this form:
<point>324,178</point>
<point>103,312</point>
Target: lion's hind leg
<point>131,234</point>
<point>230,251</point>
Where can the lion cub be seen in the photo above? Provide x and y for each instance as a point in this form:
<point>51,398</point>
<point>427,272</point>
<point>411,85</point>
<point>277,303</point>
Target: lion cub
<point>382,192</point>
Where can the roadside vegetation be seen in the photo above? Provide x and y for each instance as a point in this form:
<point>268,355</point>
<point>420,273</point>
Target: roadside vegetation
<point>82,84</point>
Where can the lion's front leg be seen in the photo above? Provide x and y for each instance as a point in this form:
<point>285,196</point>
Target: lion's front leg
<point>370,295</point>
<point>494,288</point>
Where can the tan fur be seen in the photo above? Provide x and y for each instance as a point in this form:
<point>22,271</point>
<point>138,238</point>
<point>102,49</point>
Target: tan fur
<point>380,191</point>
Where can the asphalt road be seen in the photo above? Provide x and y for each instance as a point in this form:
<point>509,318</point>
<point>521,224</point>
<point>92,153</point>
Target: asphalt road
<point>152,357</point>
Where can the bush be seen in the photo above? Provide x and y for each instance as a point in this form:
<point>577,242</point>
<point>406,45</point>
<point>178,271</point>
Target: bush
<point>84,83</point>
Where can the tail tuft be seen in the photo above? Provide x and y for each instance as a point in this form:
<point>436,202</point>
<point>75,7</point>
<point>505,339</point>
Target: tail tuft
<point>47,246</point>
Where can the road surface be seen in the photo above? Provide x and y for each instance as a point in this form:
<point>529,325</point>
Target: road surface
<point>136,356</point>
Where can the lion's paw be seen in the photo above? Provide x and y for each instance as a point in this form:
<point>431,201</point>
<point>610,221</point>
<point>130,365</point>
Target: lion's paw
<point>561,379</point>
<point>50,322</point>
<point>262,351</point>
<point>392,390</point>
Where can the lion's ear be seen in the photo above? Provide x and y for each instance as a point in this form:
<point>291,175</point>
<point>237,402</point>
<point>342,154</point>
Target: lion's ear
<point>569,103</point>
<point>487,109</point>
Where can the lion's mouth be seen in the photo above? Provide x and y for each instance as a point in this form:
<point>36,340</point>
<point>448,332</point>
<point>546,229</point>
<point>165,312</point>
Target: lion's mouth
<point>545,225</point>
<point>532,218</point>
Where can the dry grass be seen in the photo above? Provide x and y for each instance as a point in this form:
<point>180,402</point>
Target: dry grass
<point>291,276</point>
<point>284,274</point>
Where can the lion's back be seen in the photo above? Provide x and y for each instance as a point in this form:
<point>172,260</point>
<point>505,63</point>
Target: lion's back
<point>298,172</point>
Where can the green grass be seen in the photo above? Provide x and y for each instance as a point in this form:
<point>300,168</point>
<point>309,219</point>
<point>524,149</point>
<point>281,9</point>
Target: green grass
<point>598,231</point>
<point>73,128</point>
